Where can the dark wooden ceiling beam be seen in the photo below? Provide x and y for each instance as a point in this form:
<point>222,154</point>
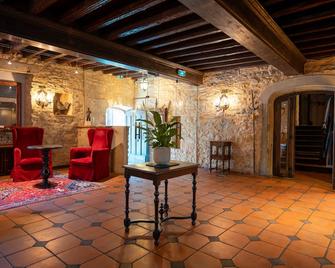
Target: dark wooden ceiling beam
<point>104,68</point>
<point>300,7</point>
<point>232,52</point>
<point>238,66</point>
<point>122,13</point>
<point>37,53</point>
<point>54,58</point>
<point>313,18</point>
<point>149,22</point>
<point>112,71</point>
<point>246,55</point>
<point>312,30</point>
<point>198,42</point>
<point>250,25</point>
<point>54,37</point>
<point>222,62</point>
<point>38,6</point>
<point>184,36</point>
<point>82,9</point>
<point>204,49</point>
<point>317,47</point>
<point>319,38</point>
<point>230,65</point>
<point>161,33</point>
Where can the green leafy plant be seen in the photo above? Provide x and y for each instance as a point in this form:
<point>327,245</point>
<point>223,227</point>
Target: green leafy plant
<point>159,133</point>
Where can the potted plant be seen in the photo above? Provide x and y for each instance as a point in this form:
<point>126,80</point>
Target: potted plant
<point>159,135</point>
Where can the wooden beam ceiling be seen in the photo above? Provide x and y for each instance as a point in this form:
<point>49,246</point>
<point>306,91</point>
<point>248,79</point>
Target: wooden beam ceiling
<point>149,22</point>
<point>186,25</point>
<point>82,9</point>
<point>122,13</point>
<point>250,25</point>
<point>54,37</point>
<point>38,6</point>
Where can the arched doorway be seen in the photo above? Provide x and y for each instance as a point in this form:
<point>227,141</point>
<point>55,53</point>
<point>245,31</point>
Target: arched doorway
<point>303,138</point>
<point>303,83</point>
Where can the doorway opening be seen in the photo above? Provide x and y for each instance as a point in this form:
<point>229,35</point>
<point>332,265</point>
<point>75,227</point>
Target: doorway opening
<point>303,134</point>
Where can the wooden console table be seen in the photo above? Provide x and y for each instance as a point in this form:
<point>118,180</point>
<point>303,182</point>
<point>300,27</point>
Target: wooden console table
<point>220,151</point>
<point>156,176</point>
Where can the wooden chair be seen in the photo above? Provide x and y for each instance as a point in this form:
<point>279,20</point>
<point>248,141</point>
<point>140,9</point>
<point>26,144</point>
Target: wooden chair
<point>220,151</point>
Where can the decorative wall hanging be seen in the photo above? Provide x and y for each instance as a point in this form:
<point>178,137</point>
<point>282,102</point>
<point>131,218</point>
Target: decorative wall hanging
<point>62,104</point>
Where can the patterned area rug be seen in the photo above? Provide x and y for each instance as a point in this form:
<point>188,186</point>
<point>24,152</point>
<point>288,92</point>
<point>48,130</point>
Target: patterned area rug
<point>14,194</point>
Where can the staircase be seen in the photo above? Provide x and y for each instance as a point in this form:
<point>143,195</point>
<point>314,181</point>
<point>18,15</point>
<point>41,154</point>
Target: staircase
<point>309,141</point>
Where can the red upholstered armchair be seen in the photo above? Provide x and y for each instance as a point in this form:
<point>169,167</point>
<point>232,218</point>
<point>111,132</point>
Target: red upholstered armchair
<point>92,163</point>
<point>27,163</point>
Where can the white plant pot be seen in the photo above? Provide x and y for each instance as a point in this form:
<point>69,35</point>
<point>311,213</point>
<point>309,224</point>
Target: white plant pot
<point>162,155</point>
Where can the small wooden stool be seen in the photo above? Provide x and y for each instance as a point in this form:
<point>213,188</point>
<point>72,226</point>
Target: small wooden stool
<point>220,151</point>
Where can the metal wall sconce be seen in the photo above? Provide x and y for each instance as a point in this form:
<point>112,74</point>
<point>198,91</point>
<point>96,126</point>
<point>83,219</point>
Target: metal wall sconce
<point>222,103</point>
<point>43,99</point>
<point>144,84</point>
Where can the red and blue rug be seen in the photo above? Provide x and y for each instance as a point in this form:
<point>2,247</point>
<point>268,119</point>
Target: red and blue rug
<point>15,194</point>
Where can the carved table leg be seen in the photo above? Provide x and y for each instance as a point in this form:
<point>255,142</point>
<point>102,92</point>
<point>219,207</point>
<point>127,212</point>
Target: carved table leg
<point>127,219</point>
<point>194,191</point>
<point>156,232</point>
<point>166,203</point>
<point>45,172</point>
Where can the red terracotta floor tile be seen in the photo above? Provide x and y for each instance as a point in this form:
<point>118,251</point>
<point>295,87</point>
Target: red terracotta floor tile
<point>63,243</point>
<point>127,253</point>
<point>234,239</point>
<point>108,242</point>
<point>245,259</point>
<point>193,240</point>
<point>175,251</point>
<point>49,234</point>
<point>264,249</point>
<point>220,250</point>
<point>28,256</point>
<point>201,260</point>
<point>101,262</point>
<point>151,260</point>
<point>52,262</point>
<point>78,255</point>
<point>307,248</point>
<point>208,230</point>
<point>296,260</point>
<point>17,244</point>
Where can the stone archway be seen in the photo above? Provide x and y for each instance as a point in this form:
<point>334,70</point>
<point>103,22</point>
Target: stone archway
<point>297,84</point>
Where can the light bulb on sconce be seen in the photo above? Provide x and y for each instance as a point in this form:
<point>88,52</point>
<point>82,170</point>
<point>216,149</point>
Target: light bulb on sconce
<point>221,103</point>
<point>43,99</point>
<point>9,62</point>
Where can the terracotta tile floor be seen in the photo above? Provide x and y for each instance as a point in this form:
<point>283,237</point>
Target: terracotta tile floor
<point>242,222</point>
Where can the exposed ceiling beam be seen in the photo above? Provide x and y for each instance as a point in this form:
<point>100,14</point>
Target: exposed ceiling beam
<point>241,56</point>
<point>250,25</point>
<point>299,7</point>
<point>149,22</point>
<point>38,6</point>
<point>198,42</point>
<point>104,68</point>
<point>122,13</point>
<point>161,33</point>
<point>320,38</point>
<point>82,9</point>
<point>200,65</point>
<point>313,18</point>
<point>54,58</point>
<point>184,36</point>
<point>231,65</point>
<point>241,65</point>
<point>235,51</point>
<point>199,50</point>
<point>54,37</point>
<point>312,30</point>
<point>35,54</point>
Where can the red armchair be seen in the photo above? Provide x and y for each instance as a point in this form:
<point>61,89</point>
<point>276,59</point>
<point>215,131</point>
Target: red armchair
<point>92,163</point>
<point>27,163</point>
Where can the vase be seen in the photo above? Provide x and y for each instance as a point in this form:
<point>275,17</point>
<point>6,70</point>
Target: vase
<point>162,155</point>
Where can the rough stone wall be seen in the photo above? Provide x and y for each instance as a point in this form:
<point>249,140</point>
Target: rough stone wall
<point>184,103</point>
<point>235,124</point>
<point>87,88</point>
<point>103,91</point>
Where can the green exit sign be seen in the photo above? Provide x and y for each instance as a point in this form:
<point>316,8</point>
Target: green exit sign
<point>181,72</point>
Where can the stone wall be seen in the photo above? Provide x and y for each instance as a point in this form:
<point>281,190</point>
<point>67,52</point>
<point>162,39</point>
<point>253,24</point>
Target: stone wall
<point>235,124</point>
<point>87,89</point>
<point>183,99</point>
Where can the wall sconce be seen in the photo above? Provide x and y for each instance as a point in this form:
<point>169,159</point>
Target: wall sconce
<point>144,84</point>
<point>222,103</point>
<point>43,99</point>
